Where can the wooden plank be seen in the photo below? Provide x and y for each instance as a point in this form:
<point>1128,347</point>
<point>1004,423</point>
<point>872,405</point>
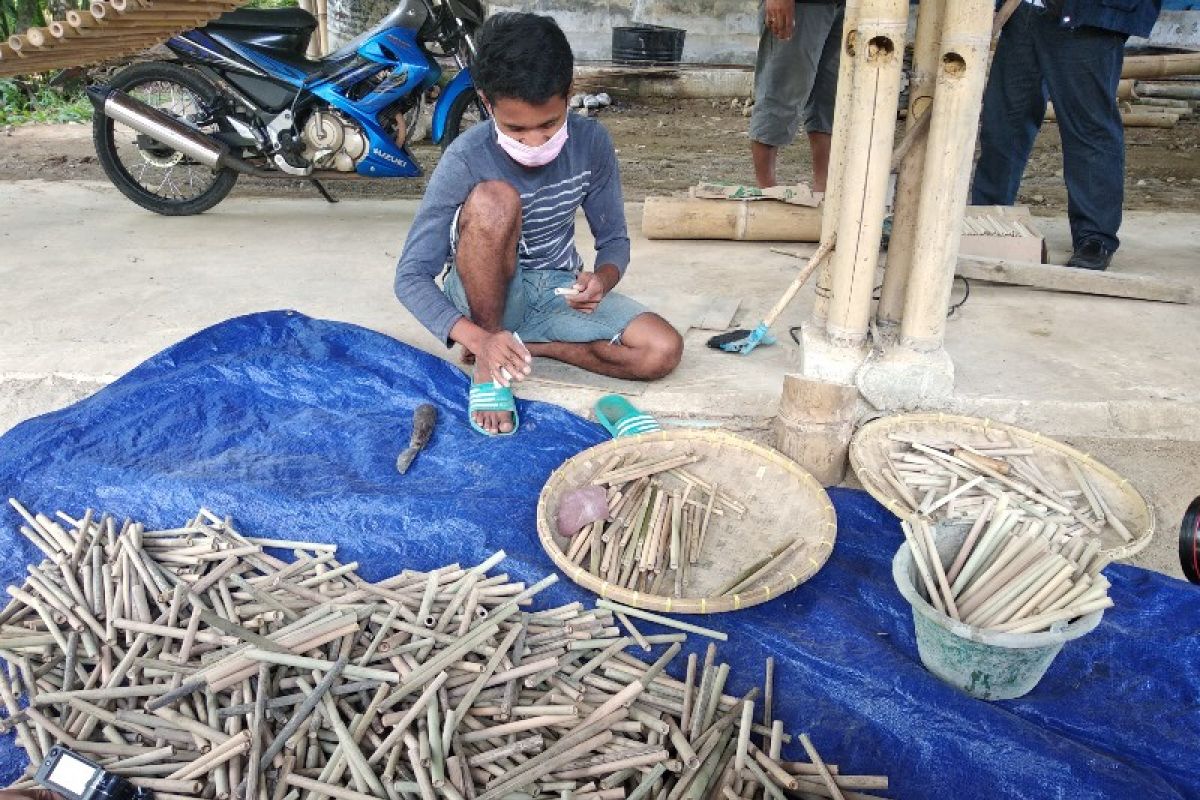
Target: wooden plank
<point>1063,279</point>
<point>1079,281</point>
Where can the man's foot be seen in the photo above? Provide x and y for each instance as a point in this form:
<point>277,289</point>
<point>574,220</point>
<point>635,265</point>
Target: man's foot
<point>492,421</point>
<point>1091,255</point>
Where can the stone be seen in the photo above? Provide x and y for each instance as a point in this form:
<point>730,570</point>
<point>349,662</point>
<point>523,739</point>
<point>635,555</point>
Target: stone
<point>898,378</point>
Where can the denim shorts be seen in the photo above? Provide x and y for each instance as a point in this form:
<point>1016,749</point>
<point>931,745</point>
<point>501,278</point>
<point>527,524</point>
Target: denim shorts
<point>534,312</point>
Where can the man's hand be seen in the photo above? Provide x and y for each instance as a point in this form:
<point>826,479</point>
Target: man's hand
<point>781,18</point>
<point>591,287</point>
<point>28,794</point>
<point>502,358</point>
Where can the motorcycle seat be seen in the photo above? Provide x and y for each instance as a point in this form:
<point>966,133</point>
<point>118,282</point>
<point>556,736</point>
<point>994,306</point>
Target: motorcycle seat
<point>266,19</point>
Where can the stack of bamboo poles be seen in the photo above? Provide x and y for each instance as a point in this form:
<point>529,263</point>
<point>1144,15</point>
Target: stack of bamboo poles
<point>1015,576</point>
<point>200,666</point>
<point>1149,105</point>
<point>107,29</point>
<point>658,520</point>
<point>960,480</point>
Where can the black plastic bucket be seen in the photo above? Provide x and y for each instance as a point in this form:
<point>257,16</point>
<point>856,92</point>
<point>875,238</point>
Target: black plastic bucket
<point>647,44</point>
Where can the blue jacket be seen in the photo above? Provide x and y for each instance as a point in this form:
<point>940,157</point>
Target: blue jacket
<point>1130,17</point>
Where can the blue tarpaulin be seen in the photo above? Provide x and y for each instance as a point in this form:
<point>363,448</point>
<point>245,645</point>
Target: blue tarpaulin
<point>292,425</point>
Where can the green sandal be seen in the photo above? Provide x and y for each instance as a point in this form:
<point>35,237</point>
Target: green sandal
<point>490,397</point>
<point>621,419</point>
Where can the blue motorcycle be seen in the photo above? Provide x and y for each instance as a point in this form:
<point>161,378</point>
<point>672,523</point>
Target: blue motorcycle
<point>241,98</point>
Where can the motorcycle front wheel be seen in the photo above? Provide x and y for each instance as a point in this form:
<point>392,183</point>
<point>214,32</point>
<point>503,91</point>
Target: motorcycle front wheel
<point>466,110</point>
<point>148,172</point>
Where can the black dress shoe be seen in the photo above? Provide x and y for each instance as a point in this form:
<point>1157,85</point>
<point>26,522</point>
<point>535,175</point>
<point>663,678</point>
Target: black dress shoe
<point>1091,255</point>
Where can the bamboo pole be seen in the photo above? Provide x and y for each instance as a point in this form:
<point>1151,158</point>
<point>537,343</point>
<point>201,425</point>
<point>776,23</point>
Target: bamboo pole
<point>831,205</point>
<point>322,9</point>
<point>949,148</point>
<point>1160,66</point>
<point>875,90</point>
<point>911,171</point>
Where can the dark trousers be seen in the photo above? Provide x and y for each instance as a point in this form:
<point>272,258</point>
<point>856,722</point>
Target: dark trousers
<point>1078,70</point>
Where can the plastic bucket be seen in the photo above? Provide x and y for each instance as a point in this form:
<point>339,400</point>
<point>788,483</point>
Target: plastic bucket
<point>986,664</point>
<point>647,44</point>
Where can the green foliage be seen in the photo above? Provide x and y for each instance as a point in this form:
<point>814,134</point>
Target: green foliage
<point>19,14</point>
<point>267,3</point>
<point>32,100</point>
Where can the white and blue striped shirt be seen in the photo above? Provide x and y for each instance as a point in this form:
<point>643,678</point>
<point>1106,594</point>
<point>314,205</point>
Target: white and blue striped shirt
<point>584,175</point>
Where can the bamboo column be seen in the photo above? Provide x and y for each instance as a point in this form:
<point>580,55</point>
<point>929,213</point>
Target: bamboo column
<point>314,44</point>
<point>871,125</point>
<point>961,76</point>
<point>322,9</point>
<point>837,155</point>
<point>926,50</point>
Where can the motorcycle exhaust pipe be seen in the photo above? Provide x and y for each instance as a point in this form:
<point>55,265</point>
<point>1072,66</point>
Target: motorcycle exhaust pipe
<point>169,131</point>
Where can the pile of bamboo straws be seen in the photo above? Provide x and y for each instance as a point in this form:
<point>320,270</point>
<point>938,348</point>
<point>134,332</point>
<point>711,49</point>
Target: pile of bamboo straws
<point>955,479</point>
<point>200,666</point>
<point>1032,557</point>
<point>658,521</point>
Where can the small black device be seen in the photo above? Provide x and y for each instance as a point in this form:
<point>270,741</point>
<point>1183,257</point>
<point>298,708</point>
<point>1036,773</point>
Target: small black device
<point>74,777</point>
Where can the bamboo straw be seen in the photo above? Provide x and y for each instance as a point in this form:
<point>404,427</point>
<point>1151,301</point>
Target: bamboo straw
<point>662,620</point>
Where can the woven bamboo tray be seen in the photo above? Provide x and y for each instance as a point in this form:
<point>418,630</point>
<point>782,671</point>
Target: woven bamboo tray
<point>868,454</point>
<point>783,502</point>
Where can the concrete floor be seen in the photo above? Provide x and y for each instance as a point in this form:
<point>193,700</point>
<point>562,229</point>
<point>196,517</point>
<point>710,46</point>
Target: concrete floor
<point>92,285</point>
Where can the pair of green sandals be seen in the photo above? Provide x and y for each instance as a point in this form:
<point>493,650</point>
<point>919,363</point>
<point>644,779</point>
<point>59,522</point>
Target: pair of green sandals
<point>614,412</point>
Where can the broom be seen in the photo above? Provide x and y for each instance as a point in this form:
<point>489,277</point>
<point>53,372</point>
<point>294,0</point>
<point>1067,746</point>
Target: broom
<point>743,341</point>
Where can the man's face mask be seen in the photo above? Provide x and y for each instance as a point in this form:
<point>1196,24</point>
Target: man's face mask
<point>528,156</point>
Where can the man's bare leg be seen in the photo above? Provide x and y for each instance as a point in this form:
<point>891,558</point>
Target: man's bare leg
<point>649,349</point>
<point>764,157</point>
<point>489,227</point>
<point>821,144</point>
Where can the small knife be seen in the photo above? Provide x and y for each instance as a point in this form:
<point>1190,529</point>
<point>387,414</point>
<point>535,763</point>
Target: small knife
<point>424,418</point>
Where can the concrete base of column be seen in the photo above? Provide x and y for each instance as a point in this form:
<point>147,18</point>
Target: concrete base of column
<point>897,378</point>
<point>822,359</point>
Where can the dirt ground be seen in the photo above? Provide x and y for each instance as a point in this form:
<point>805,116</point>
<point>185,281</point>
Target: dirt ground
<point>667,146</point>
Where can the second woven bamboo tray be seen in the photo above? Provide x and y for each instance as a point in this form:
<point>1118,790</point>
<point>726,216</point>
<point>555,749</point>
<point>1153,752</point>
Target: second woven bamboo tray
<point>783,503</point>
<point>868,455</point>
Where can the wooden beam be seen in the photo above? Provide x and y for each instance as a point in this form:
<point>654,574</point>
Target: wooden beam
<point>1079,281</point>
<point>1063,279</point>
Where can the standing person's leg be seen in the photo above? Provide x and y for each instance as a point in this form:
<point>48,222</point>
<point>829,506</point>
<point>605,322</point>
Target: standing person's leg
<point>783,77</point>
<point>1083,67</point>
<point>483,282</point>
<point>818,109</point>
<point>1014,105</point>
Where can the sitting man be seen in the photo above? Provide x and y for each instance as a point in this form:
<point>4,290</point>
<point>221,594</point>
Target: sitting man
<point>499,218</point>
